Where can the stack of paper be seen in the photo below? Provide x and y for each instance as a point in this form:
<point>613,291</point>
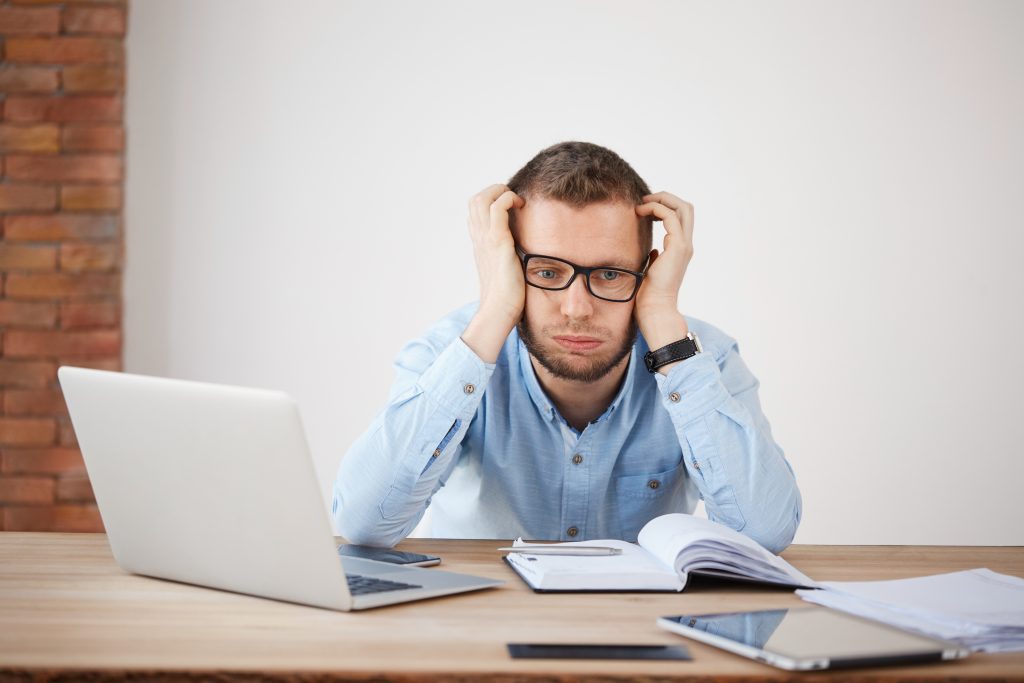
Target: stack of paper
<point>978,609</point>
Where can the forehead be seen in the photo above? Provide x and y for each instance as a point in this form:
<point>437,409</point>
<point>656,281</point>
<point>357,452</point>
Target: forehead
<point>606,233</point>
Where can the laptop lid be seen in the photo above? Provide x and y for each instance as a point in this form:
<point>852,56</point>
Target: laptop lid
<point>206,484</point>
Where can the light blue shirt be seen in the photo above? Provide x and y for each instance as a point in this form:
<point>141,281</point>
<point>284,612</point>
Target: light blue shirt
<point>485,448</point>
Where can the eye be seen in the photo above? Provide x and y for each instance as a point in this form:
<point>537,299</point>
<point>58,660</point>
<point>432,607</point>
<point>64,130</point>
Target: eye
<point>610,275</point>
<point>546,274</point>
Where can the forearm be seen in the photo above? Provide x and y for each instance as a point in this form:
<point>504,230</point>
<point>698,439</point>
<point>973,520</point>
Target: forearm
<point>386,479</point>
<point>730,454</point>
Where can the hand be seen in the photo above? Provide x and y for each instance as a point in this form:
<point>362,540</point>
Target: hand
<point>502,287</point>
<point>657,312</point>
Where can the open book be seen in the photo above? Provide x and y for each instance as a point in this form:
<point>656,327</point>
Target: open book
<point>670,548</point>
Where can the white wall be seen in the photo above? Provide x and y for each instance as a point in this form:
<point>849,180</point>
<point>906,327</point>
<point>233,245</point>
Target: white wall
<point>298,174</point>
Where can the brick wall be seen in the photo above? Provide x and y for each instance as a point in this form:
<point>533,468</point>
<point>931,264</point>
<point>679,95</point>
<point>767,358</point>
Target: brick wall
<point>61,249</point>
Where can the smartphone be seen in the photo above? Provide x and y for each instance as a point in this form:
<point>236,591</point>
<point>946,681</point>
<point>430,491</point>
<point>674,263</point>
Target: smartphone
<point>388,555</point>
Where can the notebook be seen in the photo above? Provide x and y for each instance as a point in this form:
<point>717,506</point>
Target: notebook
<point>669,549</point>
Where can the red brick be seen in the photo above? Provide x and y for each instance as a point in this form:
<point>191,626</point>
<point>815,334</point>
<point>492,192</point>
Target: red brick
<point>34,403</point>
<point>58,285</point>
<point>93,139</point>
<point>90,197</point>
<point>119,3</point>
<point>27,313</point>
<point>32,344</point>
<point>89,78</point>
<point>26,490</point>
<point>63,109</point>
<point>25,257</point>
<point>14,197</point>
<point>34,21</point>
<point>77,518</point>
<point>28,79</point>
<point>61,226</point>
<point>77,256</point>
<point>79,167</point>
<point>85,314</point>
<point>27,373</point>
<point>64,50</point>
<point>96,20</point>
<point>66,431</point>
<point>42,461</point>
<point>39,138</point>
<point>27,431</point>
<point>74,489</point>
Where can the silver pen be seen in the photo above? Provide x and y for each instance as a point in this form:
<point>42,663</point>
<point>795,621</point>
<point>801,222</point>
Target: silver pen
<point>584,550</point>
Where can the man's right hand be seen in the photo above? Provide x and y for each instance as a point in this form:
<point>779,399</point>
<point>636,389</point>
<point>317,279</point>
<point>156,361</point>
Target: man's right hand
<point>502,287</point>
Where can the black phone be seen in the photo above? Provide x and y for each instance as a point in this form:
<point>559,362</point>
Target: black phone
<point>367,552</point>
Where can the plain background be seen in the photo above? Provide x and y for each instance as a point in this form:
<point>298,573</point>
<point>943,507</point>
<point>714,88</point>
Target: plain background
<point>298,176</point>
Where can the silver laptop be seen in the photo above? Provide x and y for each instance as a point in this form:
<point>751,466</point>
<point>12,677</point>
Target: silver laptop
<point>214,485</point>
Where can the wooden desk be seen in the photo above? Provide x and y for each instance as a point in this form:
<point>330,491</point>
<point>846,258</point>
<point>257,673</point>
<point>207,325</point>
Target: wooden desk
<point>68,612</point>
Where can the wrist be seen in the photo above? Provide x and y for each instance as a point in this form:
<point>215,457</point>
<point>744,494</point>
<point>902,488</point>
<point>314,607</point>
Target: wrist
<point>662,327</point>
<point>486,334</point>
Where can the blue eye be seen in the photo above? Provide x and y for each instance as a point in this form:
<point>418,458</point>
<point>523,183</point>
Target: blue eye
<point>610,275</point>
<point>546,274</point>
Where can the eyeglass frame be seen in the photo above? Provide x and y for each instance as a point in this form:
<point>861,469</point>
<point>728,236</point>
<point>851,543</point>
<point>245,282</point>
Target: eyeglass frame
<point>576,270</point>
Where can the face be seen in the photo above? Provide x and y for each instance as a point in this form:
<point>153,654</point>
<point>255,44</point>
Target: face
<point>571,333</point>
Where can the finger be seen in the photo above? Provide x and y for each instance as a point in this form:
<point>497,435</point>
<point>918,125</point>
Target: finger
<point>683,209</point>
<point>668,217</point>
<point>500,207</point>
<point>666,198</point>
<point>480,204</point>
<point>658,211</point>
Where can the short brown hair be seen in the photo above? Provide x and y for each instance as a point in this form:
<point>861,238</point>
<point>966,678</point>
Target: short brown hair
<point>582,173</point>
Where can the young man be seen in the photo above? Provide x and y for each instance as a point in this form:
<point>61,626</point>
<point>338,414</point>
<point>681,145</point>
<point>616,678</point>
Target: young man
<point>539,411</point>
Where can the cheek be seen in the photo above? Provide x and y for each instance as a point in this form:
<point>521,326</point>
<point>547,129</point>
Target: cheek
<point>539,303</point>
<point>619,316</point>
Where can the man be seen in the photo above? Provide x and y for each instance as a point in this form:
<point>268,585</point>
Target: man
<point>539,412</point>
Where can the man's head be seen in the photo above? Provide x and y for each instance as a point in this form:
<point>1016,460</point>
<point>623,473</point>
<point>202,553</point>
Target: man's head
<point>580,206</point>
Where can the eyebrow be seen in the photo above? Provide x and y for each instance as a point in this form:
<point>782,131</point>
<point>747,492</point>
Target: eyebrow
<point>610,263</point>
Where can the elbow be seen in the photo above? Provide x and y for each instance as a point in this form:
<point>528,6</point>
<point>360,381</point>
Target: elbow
<point>776,532</point>
<point>364,527</point>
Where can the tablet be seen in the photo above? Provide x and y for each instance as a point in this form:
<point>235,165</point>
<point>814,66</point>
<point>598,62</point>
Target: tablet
<point>811,638</point>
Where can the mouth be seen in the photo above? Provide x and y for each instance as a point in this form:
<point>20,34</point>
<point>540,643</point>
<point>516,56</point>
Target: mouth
<point>575,343</point>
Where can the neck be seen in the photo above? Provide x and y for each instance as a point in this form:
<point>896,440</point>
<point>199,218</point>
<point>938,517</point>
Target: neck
<point>580,403</point>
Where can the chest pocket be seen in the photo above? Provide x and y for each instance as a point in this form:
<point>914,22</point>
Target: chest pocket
<point>642,497</point>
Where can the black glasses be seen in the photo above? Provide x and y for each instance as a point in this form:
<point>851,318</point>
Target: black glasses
<point>604,282</point>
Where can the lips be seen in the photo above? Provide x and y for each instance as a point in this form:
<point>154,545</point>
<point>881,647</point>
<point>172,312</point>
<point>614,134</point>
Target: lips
<point>575,343</point>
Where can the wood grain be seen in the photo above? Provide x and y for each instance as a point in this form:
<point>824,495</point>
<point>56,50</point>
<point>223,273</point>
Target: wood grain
<point>67,612</point>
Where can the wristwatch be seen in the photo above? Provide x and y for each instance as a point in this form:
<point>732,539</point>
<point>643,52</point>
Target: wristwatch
<point>685,348</point>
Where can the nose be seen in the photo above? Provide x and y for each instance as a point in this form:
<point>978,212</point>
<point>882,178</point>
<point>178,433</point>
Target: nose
<point>577,302</point>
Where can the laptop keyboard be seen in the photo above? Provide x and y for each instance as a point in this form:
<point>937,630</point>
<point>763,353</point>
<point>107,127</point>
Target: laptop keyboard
<point>364,585</point>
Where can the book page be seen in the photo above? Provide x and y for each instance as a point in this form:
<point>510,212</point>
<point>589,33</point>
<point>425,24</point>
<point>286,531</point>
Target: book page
<point>681,540</point>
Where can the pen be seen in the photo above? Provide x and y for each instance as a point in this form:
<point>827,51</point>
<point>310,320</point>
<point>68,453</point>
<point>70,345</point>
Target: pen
<point>586,550</point>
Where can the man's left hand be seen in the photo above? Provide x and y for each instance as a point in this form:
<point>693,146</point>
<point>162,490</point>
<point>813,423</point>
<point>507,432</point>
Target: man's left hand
<point>657,311</point>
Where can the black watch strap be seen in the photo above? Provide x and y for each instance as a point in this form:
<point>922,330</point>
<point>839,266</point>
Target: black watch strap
<point>685,348</point>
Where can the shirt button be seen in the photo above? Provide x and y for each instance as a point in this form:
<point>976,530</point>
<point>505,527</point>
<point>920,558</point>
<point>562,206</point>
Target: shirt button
<point>674,397</point>
<point>653,483</point>
<point>572,531</point>
<point>437,452</point>
<point>577,459</point>
<point>469,388</point>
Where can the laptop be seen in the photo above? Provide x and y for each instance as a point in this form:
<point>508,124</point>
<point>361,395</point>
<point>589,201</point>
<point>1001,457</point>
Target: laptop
<point>214,486</point>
